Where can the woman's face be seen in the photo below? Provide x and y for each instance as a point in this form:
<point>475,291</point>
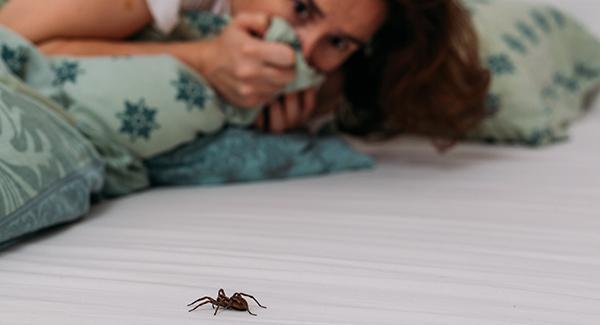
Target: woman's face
<point>330,30</point>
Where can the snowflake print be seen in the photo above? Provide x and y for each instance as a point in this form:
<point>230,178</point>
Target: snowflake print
<point>567,83</point>
<point>515,43</point>
<point>528,32</point>
<point>493,103</point>
<point>191,91</point>
<point>541,21</point>
<point>15,59</point>
<point>138,120</point>
<point>206,23</point>
<point>67,71</point>
<point>586,72</point>
<point>559,17</point>
<point>500,64</point>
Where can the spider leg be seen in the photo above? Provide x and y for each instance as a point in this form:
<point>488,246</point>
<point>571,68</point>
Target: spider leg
<point>251,297</point>
<point>198,300</point>
<point>248,308</point>
<point>216,310</point>
<point>210,300</point>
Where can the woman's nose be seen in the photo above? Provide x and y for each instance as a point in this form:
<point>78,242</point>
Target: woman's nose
<point>309,38</point>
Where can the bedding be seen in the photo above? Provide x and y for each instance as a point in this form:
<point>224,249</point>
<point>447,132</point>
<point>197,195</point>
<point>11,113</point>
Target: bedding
<point>125,172</point>
<point>483,235</point>
<point>85,93</point>
<point>545,66</point>
<point>239,155</point>
<point>48,171</point>
<point>153,104</point>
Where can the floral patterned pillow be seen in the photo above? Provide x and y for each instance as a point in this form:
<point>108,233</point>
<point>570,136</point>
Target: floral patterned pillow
<point>153,104</point>
<point>544,66</point>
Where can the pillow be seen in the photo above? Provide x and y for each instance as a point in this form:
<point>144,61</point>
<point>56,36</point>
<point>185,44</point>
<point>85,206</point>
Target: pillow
<point>242,155</point>
<point>125,173</point>
<point>47,169</point>
<point>544,64</point>
<point>153,104</point>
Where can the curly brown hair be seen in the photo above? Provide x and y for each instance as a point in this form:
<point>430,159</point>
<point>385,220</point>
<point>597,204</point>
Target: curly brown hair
<point>421,75</point>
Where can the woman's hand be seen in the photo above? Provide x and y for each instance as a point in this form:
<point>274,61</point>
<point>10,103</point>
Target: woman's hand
<point>288,112</point>
<point>244,69</point>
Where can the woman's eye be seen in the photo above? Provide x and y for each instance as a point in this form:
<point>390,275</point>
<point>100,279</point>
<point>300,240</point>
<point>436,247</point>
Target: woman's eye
<point>340,43</point>
<point>301,9</point>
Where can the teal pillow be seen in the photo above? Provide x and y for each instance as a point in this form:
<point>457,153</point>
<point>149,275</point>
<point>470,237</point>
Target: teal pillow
<point>544,64</point>
<point>241,155</point>
<point>47,169</point>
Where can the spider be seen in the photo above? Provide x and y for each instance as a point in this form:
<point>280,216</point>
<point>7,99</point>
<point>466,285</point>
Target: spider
<point>236,302</point>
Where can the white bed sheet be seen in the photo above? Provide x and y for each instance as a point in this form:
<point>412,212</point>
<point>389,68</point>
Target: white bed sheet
<point>483,235</point>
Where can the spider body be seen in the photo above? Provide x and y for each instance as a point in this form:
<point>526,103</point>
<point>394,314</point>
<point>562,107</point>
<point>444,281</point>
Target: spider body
<point>235,302</point>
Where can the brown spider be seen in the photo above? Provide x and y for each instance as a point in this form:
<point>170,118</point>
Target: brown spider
<point>236,302</point>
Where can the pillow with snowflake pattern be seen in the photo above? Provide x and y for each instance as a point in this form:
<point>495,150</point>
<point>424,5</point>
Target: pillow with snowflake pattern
<point>544,66</point>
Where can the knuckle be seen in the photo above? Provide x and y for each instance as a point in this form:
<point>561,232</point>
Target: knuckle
<point>243,16</point>
<point>244,72</point>
<point>249,49</point>
<point>290,56</point>
<point>246,90</point>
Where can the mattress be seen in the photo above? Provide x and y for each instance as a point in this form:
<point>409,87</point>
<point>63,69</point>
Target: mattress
<point>481,235</point>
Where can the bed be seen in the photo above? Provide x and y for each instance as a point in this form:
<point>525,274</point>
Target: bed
<point>482,235</point>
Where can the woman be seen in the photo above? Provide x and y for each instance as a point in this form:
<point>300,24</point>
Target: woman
<point>405,65</point>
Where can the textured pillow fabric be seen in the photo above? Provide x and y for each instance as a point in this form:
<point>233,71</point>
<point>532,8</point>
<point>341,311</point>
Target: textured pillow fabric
<point>241,155</point>
<point>544,66</point>
<point>129,91</point>
<point>153,104</point>
<point>47,169</point>
<point>125,172</point>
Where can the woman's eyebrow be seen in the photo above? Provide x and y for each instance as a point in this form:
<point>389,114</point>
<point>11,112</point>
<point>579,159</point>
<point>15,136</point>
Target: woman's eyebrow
<point>315,8</point>
<point>319,12</point>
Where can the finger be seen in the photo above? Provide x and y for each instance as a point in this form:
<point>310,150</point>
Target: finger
<point>272,54</point>
<point>259,89</point>
<point>260,121</point>
<point>292,109</point>
<point>279,77</point>
<point>309,104</point>
<point>276,118</point>
<point>254,23</point>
